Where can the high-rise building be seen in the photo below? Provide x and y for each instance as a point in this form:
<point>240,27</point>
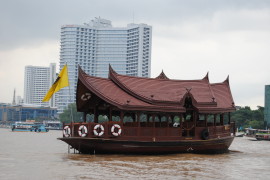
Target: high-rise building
<point>37,81</point>
<point>267,105</point>
<point>97,44</point>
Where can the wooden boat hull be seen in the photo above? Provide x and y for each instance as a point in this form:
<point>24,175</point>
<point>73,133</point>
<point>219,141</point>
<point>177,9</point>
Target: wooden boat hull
<point>113,146</point>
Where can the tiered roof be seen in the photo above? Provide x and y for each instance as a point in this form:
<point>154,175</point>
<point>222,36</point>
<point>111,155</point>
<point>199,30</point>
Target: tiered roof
<point>156,94</point>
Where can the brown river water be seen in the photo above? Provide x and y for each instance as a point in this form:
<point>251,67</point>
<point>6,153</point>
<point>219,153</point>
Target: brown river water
<point>29,155</point>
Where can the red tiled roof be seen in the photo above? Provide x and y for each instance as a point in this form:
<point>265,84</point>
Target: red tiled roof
<point>165,95</point>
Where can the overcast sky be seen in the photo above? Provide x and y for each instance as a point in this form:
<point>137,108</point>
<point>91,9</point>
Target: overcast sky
<point>190,38</point>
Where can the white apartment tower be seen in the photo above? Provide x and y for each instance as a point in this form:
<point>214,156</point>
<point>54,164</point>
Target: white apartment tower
<point>37,81</point>
<point>97,44</point>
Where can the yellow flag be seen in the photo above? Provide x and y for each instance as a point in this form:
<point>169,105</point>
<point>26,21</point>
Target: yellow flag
<point>60,82</point>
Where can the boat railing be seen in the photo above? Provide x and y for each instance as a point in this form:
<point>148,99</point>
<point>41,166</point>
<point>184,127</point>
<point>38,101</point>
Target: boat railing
<point>151,129</point>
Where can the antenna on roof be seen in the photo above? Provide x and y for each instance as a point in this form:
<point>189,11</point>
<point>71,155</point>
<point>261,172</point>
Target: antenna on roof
<point>133,16</point>
<point>14,102</point>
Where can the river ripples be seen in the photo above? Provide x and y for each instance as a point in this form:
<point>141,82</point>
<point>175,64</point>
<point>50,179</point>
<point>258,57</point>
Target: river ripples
<point>41,156</point>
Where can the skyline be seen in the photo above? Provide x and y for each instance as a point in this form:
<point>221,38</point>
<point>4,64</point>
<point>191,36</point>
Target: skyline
<point>190,38</point>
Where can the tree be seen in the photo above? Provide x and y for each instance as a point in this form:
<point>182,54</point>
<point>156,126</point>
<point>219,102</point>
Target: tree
<point>65,117</point>
<point>242,116</point>
<point>245,117</point>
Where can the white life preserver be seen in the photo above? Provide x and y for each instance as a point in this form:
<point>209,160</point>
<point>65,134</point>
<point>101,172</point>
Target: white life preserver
<point>86,96</point>
<point>101,132</point>
<point>119,130</point>
<point>66,131</point>
<point>82,131</point>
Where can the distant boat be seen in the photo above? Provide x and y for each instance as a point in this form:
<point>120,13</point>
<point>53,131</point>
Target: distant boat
<point>53,125</point>
<point>250,132</point>
<point>28,127</point>
<point>239,134</point>
<point>263,135</point>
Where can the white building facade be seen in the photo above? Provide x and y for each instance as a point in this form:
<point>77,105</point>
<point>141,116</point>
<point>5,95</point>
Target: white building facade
<point>97,44</point>
<point>37,81</point>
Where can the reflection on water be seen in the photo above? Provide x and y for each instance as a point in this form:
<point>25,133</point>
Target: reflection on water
<point>42,156</point>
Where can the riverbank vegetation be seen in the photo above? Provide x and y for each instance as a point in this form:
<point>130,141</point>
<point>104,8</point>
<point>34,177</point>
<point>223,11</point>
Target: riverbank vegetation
<point>245,117</point>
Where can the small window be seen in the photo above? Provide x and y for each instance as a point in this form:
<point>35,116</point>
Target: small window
<point>90,118</point>
<point>143,118</point>
<point>103,118</point>
<point>201,117</point>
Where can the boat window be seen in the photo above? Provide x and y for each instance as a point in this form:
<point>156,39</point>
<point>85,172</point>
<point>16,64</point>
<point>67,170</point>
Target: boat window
<point>164,119</point>
<point>128,118</point>
<point>143,118</point>
<point>103,118</point>
<point>226,119</point>
<point>115,118</point>
<point>218,119</point>
<point>210,120</point>
<point>176,122</point>
<point>90,118</point>
<point>201,117</point>
<point>176,119</point>
<point>144,122</point>
<point>157,119</point>
<point>188,117</point>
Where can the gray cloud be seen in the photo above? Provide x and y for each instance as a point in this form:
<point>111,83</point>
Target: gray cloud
<point>23,22</point>
<point>189,37</point>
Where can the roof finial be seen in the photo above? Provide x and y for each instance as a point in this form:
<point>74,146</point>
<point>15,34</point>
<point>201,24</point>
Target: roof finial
<point>226,80</point>
<point>206,77</point>
<point>162,75</point>
<point>111,71</point>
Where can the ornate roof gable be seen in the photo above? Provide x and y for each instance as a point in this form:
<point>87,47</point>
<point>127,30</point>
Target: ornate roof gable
<point>162,75</point>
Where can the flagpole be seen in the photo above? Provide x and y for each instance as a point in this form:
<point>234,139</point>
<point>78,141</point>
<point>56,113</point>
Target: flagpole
<point>70,100</point>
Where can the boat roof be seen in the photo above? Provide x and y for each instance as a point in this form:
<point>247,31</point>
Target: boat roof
<point>155,94</point>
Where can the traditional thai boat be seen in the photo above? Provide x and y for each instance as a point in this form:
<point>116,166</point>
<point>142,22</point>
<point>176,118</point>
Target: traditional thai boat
<point>125,114</point>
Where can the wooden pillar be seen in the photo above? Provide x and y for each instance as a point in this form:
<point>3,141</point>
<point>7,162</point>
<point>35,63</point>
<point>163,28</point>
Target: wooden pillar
<point>121,116</point>
<point>138,123</point>
<point>110,114</point>
<point>84,116</point>
<point>153,119</point>
<point>96,114</point>
<point>138,114</point>
<point>215,119</point>
<point>221,119</point>
<point>153,127</point>
<point>134,117</point>
<point>205,117</point>
<point>195,116</point>
<point>181,122</point>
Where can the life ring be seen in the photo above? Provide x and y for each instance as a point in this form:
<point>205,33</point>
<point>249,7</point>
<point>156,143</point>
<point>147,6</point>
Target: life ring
<point>205,134</point>
<point>66,131</point>
<point>82,131</point>
<point>119,130</point>
<point>86,96</point>
<point>98,130</point>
